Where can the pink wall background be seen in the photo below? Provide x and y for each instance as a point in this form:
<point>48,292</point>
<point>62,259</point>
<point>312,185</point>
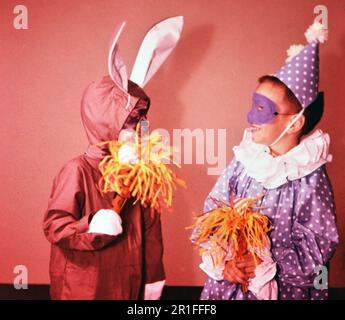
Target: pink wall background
<point>206,83</point>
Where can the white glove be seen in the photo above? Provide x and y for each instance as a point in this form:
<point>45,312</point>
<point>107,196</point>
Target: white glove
<point>153,291</point>
<point>106,221</point>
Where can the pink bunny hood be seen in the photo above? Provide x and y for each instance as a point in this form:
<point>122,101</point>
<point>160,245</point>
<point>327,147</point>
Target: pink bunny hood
<point>107,103</point>
<point>105,108</point>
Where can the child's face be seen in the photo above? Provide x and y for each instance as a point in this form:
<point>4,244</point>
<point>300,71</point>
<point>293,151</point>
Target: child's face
<point>267,133</point>
<point>138,114</point>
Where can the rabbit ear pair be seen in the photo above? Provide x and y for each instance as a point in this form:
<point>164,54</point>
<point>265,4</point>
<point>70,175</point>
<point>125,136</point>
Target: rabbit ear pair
<point>158,43</point>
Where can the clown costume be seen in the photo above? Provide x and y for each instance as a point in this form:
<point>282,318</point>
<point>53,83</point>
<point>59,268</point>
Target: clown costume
<point>296,193</point>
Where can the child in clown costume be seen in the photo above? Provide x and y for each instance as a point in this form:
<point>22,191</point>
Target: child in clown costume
<point>282,160</point>
<point>100,248</point>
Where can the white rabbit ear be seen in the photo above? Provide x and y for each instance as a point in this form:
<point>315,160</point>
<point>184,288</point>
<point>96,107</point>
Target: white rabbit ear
<point>116,66</point>
<point>158,43</point>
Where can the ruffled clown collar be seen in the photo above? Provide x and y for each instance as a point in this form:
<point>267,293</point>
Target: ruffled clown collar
<point>272,172</point>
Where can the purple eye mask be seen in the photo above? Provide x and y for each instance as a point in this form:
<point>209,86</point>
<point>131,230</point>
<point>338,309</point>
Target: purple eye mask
<point>263,110</point>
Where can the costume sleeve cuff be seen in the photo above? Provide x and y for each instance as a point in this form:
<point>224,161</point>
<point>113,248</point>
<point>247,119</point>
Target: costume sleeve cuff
<point>153,291</point>
<point>210,269</point>
<point>263,285</point>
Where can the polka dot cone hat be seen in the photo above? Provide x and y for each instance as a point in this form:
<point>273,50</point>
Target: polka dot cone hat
<point>301,70</point>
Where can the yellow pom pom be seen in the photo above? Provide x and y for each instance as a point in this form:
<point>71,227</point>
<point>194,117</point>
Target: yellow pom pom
<point>151,180</point>
<point>237,228</point>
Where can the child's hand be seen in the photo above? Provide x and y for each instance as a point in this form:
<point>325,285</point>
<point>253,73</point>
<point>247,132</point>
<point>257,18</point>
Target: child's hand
<point>233,274</point>
<point>118,203</point>
<point>247,265</point>
<point>120,198</point>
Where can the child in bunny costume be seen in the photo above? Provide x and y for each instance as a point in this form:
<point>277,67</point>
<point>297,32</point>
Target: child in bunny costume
<point>281,160</point>
<point>98,252</point>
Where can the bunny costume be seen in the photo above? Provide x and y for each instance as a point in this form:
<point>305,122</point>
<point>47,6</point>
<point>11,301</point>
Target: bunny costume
<point>89,259</point>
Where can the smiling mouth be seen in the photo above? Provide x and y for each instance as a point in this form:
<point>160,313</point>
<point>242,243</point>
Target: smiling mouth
<point>254,128</point>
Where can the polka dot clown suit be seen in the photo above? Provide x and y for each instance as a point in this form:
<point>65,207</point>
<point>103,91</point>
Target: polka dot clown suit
<point>296,193</point>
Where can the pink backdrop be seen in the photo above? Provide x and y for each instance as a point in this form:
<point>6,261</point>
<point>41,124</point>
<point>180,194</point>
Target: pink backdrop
<point>206,83</point>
